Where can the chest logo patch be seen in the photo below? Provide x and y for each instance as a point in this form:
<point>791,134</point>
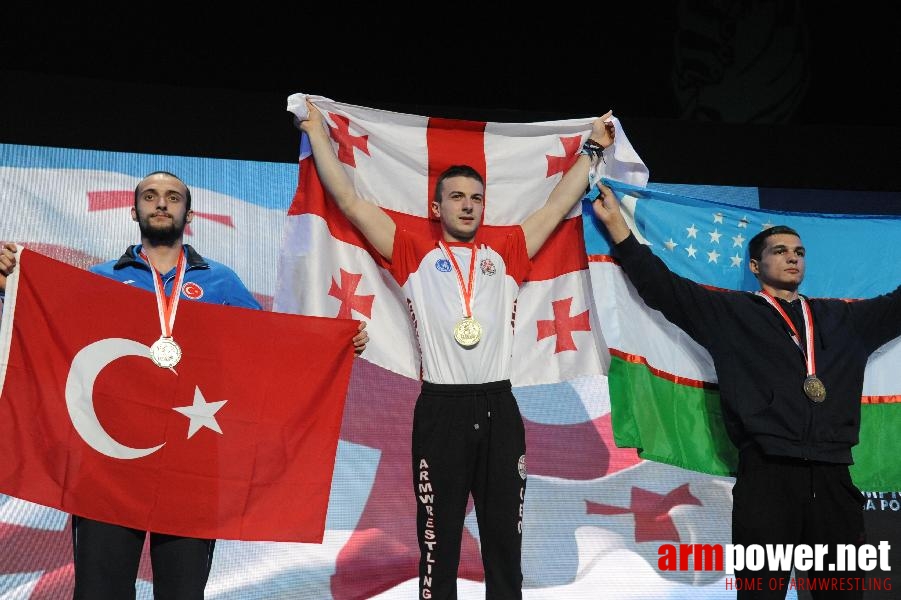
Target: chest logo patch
<point>443,265</point>
<point>487,267</point>
<point>192,290</point>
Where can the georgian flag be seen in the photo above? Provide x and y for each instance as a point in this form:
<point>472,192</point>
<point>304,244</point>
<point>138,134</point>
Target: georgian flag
<point>326,268</point>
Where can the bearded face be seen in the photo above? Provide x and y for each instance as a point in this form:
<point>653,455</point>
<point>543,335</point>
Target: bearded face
<point>161,209</point>
<point>160,226</point>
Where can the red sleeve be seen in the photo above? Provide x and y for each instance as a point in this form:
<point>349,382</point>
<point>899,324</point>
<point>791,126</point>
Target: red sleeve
<point>407,253</point>
<point>510,242</point>
<point>516,255</point>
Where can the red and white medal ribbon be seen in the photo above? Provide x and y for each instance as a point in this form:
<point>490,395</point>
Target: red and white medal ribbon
<point>468,331</point>
<point>813,387</point>
<point>165,352</point>
<point>465,291</point>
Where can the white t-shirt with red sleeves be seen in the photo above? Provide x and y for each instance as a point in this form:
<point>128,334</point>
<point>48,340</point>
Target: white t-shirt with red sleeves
<point>432,289</point>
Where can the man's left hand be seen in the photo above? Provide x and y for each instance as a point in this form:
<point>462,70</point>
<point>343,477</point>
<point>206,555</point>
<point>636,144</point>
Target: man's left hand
<point>361,339</point>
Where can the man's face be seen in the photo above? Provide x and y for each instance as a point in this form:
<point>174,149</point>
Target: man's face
<point>781,265</point>
<point>161,209</point>
<point>460,209</point>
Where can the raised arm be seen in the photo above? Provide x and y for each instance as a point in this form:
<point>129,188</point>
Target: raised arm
<point>568,191</point>
<point>606,207</point>
<point>375,225</point>
<point>682,301</point>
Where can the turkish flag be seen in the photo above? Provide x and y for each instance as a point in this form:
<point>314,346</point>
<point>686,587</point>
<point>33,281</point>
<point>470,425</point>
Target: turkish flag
<point>237,441</point>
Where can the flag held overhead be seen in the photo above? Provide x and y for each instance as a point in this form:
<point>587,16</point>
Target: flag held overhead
<point>395,159</point>
<point>663,385</point>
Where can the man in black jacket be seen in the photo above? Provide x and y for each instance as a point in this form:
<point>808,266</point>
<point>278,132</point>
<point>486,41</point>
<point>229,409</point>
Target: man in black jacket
<point>790,371</point>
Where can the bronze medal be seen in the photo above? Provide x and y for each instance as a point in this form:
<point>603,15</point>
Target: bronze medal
<point>468,332</point>
<point>165,353</point>
<point>814,388</point>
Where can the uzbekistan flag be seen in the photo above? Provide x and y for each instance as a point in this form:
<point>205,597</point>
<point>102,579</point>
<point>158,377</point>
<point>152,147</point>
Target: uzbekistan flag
<point>663,387</point>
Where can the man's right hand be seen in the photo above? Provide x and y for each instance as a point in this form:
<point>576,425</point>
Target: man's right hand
<point>314,119</point>
<point>7,263</point>
<point>606,207</point>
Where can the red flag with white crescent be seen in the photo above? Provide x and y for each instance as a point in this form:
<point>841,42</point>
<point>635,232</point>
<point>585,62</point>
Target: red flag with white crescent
<point>237,441</point>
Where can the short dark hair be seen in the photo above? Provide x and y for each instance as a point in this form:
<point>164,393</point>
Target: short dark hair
<point>758,242</point>
<point>187,189</point>
<point>456,171</point>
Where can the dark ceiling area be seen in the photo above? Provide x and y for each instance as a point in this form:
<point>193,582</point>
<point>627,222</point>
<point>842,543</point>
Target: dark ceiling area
<point>736,89</point>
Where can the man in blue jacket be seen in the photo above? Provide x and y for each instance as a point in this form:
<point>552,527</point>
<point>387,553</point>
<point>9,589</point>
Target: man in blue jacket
<point>107,556</point>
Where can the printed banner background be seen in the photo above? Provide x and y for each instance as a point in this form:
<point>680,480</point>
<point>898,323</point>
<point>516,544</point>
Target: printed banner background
<point>595,515</point>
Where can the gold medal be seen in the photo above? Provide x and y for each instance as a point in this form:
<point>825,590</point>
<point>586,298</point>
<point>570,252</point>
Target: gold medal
<point>814,388</point>
<point>468,332</point>
<point>165,353</point>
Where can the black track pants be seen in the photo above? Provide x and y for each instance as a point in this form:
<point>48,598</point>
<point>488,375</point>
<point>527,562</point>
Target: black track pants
<point>780,500</point>
<point>469,439</point>
<point>107,558</point>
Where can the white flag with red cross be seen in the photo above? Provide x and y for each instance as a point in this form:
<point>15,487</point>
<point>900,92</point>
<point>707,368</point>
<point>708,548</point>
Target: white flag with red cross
<point>327,268</point>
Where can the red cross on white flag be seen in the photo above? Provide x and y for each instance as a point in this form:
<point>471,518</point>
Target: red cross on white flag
<point>395,158</point>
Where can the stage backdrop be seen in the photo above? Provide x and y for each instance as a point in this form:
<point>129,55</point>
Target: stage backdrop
<point>595,515</point>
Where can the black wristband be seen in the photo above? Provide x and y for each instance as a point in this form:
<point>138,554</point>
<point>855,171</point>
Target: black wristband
<point>592,149</point>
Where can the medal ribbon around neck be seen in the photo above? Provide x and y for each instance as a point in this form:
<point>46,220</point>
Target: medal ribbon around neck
<point>465,291</point>
<point>167,307</point>
<point>809,357</point>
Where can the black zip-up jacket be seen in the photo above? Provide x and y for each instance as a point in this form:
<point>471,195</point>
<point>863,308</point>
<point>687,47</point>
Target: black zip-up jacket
<point>761,370</point>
